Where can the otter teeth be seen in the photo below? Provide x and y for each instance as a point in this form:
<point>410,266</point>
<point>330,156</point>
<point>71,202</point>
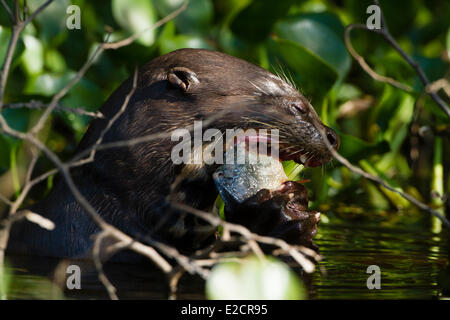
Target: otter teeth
<point>303,159</point>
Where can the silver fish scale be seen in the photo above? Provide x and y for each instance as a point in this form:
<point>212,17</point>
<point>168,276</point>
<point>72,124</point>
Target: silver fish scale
<point>242,181</point>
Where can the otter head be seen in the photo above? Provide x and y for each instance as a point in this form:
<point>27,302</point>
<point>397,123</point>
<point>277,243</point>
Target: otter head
<point>206,83</point>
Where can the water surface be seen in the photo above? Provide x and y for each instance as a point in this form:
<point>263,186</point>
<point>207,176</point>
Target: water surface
<point>413,263</point>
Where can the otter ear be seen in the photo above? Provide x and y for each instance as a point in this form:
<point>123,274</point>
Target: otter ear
<point>182,78</point>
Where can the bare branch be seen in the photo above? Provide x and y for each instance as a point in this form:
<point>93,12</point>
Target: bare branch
<point>378,180</point>
<point>39,220</point>
<point>17,28</point>
<point>40,124</point>
<point>437,85</point>
<point>5,200</point>
<point>36,12</point>
<point>131,39</point>
<point>26,189</point>
<point>115,117</point>
<point>119,235</point>
<point>33,104</point>
<point>192,264</point>
<point>384,32</point>
<point>15,33</point>
<point>307,265</point>
<point>422,76</point>
<point>364,64</point>
<point>124,241</point>
<point>112,291</point>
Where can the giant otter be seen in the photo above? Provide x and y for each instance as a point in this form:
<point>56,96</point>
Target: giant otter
<point>128,186</point>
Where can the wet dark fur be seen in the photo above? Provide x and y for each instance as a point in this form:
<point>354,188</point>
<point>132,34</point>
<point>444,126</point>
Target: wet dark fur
<point>128,185</point>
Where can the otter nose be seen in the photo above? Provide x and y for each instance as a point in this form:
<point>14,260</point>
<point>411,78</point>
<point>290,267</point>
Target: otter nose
<point>332,137</point>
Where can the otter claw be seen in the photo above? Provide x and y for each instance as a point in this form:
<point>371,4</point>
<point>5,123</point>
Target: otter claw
<point>280,213</point>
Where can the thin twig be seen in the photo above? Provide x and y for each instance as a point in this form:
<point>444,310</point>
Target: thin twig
<point>40,123</point>
<point>364,64</point>
<point>17,28</point>
<point>5,200</point>
<point>147,251</point>
<point>15,33</point>
<point>33,104</point>
<point>189,264</point>
<point>134,37</point>
<point>384,32</point>
<point>31,137</point>
<point>112,291</point>
<point>443,84</point>
<point>97,219</point>
<point>307,265</point>
<point>378,180</point>
<point>114,118</point>
<point>36,12</point>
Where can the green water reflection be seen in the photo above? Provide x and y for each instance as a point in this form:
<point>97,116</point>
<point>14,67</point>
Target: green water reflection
<point>413,263</point>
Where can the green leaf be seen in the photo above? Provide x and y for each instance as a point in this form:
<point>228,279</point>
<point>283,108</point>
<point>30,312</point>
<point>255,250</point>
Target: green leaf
<point>254,279</point>
<point>347,91</point>
<point>136,16</point>
<point>312,74</point>
<point>33,56</point>
<point>399,17</point>
<point>386,108</point>
<point>5,282</point>
<point>309,32</point>
<point>234,45</point>
<point>397,200</point>
<point>327,19</point>
<point>398,128</point>
<point>48,84</point>
<point>5,153</point>
<point>54,61</point>
<point>29,286</point>
<point>355,149</point>
<point>196,19</point>
<point>292,170</point>
<point>52,20</point>
<point>18,119</point>
<point>434,68</point>
<point>183,41</point>
<point>5,35</point>
<point>169,42</point>
<point>254,24</point>
<point>220,205</point>
<point>85,94</point>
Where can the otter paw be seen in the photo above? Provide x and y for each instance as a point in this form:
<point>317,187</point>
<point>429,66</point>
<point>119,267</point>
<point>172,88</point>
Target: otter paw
<point>281,213</point>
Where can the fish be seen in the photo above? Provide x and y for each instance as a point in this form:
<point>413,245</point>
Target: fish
<point>242,179</point>
<point>258,187</point>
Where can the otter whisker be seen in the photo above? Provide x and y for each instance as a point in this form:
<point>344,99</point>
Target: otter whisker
<point>282,74</point>
<point>260,122</point>
<point>258,88</point>
<point>294,153</point>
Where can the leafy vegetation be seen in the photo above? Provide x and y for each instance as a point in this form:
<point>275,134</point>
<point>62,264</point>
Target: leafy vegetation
<point>256,279</point>
<point>302,39</point>
<point>399,136</point>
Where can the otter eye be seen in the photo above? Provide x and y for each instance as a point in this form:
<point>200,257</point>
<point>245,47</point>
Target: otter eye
<point>299,107</point>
